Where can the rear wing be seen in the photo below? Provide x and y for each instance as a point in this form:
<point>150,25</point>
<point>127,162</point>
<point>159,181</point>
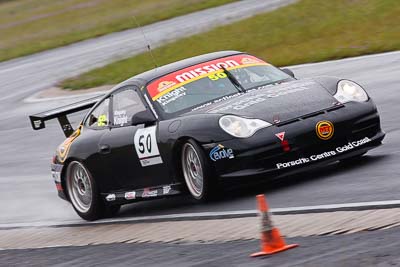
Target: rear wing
<point>38,120</point>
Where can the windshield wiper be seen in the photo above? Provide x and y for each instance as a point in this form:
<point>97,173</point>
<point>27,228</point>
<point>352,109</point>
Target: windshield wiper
<point>234,80</point>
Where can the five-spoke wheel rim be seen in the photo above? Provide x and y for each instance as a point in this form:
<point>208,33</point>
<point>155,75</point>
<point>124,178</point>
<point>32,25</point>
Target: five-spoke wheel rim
<point>192,170</point>
<point>79,187</point>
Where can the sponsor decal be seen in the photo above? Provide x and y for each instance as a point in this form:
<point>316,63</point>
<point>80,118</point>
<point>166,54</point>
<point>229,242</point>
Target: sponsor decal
<point>285,90</point>
<point>111,197</point>
<point>243,103</point>
<point>324,130</point>
<point>260,97</point>
<point>130,195</point>
<point>63,149</point>
<point>220,152</point>
<point>284,143</point>
<point>327,154</point>
<point>56,176</point>
<point>166,189</point>
<point>149,193</point>
<point>249,60</point>
<point>205,69</point>
<point>181,77</point>
<point>164,85</point>
<point>37,124</point>
<point>216,101</point>
<point>120,117</point>
<point>59,187</point>
<point>280,135</point>
<point>151,161</point>
<point>172,96</point>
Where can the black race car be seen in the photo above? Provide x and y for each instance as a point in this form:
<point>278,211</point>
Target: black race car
<point>187,125</point>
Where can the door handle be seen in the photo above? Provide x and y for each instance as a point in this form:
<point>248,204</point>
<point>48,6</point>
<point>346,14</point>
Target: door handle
<point>105,149</point>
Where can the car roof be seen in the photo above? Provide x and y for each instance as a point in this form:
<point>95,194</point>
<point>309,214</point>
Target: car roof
<point>144,78</point>
<point>150,75</point>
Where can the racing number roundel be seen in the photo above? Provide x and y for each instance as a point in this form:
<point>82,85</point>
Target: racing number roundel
<point>324,130</point>
<point>146,146</point>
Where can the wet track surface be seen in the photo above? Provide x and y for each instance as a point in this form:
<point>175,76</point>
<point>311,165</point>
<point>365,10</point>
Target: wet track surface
<point>24,178</point>
<point>30,196</point>
<point>378,248</point>
<point>26,75</point>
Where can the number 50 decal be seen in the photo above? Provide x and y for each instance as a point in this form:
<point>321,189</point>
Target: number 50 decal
<point>145,145</point>
<point>145,142</point>
<point>217,76</point>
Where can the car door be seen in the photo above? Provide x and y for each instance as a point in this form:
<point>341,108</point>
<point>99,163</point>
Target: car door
<point>97,124</point>
<point>131,151</point>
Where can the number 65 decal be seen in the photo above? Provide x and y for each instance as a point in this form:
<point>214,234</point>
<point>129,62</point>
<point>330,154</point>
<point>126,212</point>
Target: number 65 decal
<point>145,142</point>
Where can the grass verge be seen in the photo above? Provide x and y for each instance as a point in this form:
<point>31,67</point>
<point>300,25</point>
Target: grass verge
<point>308,31</point>
<point>29,26</point>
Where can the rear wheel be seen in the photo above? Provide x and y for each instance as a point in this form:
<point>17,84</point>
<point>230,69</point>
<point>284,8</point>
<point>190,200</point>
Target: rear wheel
<point>196,171</point>
<point>83,193</point>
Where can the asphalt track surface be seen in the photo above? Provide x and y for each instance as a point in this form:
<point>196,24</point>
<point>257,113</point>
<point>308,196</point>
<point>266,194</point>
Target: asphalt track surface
<point>28,74</point>
<point>28,193</point>
<point>24,165</point>
<point>377,248</point>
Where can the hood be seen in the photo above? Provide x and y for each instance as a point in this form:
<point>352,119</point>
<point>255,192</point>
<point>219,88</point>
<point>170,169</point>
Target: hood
<point>276,103</point>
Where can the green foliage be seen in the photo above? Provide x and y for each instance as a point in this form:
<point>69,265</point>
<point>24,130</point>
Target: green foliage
<point>29,26</point>
<point>308,31</point>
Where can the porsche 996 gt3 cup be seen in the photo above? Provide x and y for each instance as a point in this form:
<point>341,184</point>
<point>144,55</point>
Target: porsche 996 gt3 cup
<point>186,126</point>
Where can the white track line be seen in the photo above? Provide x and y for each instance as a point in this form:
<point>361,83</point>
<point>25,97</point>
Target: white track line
<point>338,207</point>
<point>216,215</point>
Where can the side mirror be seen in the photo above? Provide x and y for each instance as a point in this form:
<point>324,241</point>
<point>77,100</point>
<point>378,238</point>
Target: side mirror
<point>288,71</point>
<point>143,117</point>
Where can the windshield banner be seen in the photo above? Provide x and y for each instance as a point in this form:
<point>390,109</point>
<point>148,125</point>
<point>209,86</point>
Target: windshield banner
<point>181,77</point>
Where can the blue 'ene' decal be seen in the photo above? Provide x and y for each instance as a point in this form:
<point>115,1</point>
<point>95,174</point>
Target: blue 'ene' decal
<point>220,152</point>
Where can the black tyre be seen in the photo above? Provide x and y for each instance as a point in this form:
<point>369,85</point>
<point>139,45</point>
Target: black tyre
<point>197,172</point>
<point>83,193</point>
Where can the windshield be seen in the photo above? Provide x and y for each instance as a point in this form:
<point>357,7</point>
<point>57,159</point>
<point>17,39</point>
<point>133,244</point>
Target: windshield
<point>206,82</point>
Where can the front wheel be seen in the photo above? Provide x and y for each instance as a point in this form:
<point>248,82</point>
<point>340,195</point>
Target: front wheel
<point>196,171</point>
<point>83,193</point>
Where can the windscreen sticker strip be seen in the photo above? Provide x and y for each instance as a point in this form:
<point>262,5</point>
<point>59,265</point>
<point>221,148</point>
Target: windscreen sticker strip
<point>177,79</point>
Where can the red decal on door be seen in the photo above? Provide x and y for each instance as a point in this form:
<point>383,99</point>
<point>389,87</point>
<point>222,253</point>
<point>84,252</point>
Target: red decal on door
<point>280,135</point>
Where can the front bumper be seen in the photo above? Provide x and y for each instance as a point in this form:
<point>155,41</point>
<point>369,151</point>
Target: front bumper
<point>356,130</point>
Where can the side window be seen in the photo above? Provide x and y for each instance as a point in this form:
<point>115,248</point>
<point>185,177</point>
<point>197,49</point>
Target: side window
<point>99,116</point>
<point>126,104</point>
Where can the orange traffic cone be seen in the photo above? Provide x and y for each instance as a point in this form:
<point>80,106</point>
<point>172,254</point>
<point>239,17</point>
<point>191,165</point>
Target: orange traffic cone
<point>271,240</point>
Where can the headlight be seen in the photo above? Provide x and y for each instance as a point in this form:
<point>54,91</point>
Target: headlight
<point>350,91</point>
<point>241,127</point>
